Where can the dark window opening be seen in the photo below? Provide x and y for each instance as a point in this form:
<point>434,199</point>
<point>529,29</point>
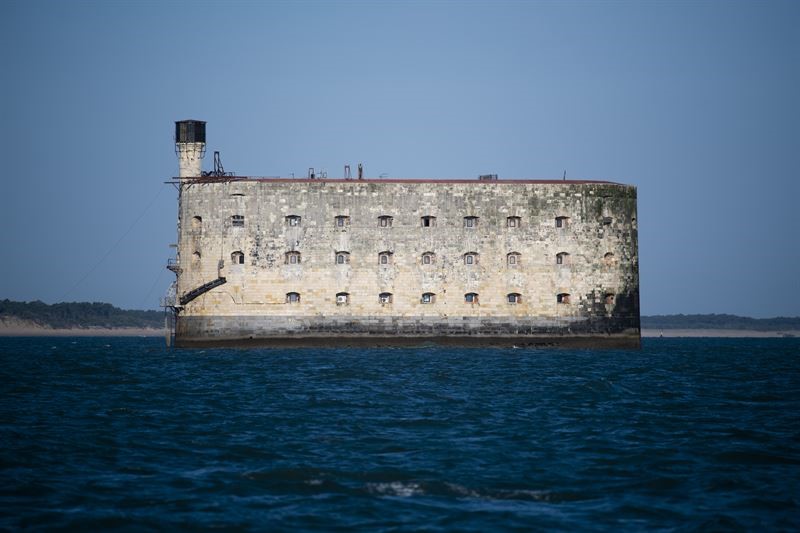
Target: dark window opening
<point>428,221</point>
<point>428,298</point>
<point>513,222</point>
<point>385,221</point>
<point>514,298</point>
<point>471,258</point>
<point>293,220</point>
<point>471,298</point>
<point>513,258</point>
<point>428,258</point>
<point>292,297</point>
<point>342,221</point>
<point>563,298</point>
<point>292,258</point>
<point>385,258</point>
<point>470,222</point>
<point>608,298</point>
<point>562,258</point>
<point>342,298</point>
<point>385,297</point>
<point>342,258</point>
<point>237,258</point>
<point>237,221</point>
<point>562,222</point>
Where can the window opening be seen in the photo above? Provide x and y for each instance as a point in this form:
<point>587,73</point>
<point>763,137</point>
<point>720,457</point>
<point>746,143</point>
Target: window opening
<point>237,221</point>
<point>513,222</point>
<point>342,258</point>
<point>342,221</point>
<point>513,258</point>
<point>471,298</point>
<point>562,222</point>
<point>385,258</point>
<point>428,221</point>
<point>237,258</point>
<point>292,297</point>
<point>293,220</point>
<point>514,298</point>
<point>342,298</point>
<point>470,258</point>
<point>562,258</point>
<point>428,298</point>
<point>385,297</point>
<point>428,258</point>
<point>470,222</point>
<point>385,221</point>
<point>563,298</point>
<point>292,258</point>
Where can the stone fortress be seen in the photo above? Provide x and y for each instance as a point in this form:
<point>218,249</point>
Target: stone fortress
<point>318,261</point>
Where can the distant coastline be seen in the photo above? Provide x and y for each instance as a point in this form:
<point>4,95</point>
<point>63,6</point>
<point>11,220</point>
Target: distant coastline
<point>37,319</point>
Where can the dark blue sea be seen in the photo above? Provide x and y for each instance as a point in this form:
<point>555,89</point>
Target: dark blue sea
<point>122,433</point>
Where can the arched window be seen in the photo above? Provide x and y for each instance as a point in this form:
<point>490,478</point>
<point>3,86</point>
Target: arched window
<point>342,298</point>
<point>562,258</point>
<point>292,258</point>
<point>428,258</point>
<point>196,256</point>
<point>292,298</point>
<point>385,258</point>
<point>293,220</point>
<point>562,298</point>
<point>608,298</point>
<point>608,259</point>
<point>428,221</point>
<point>342,258</point>
<point>562,222</point>
<point>513,222</point>
<point>342,221</point>
<point>471,297</point>
<point>514,298</point>
<point>385,298</point>
<point>470,222</point>
<point>428,298</point>
<point>512,259</point>
<point>471,258</point>
<point>237,258</point>
<point>237,221</point>
<point>197,223</point>
<point>385,221</point>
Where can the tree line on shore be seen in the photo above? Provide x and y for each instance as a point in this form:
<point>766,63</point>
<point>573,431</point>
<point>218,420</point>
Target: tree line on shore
<point>96,314</point>
<point>80,315</point>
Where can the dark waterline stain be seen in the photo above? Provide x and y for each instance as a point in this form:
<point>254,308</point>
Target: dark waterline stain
<point>120,433</point>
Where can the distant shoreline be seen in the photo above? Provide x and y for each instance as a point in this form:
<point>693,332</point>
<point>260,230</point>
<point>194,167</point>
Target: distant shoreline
<point>80,332</point>
<point>727,333</point>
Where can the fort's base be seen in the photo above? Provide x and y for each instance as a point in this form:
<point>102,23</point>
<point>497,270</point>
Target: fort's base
<point>224,331</point>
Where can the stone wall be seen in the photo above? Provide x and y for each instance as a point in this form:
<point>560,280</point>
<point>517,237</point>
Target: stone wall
<point>597,237</point>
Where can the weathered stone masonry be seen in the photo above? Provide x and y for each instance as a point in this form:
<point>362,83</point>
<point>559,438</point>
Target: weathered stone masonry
<point>509,262</point>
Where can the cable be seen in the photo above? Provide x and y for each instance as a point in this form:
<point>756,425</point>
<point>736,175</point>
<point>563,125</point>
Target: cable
<point>110,250</point>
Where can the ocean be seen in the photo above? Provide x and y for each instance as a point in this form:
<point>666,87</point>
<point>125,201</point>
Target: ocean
<point>123,433</point>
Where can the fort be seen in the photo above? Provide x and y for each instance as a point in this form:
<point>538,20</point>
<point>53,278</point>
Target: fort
<point>326,262</point>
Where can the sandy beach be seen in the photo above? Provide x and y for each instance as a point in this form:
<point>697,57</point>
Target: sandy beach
<point>23,328</point>
<point>733,333</point>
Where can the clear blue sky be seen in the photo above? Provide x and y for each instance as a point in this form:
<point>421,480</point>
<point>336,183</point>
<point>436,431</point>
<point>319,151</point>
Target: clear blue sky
<point>696,103</point>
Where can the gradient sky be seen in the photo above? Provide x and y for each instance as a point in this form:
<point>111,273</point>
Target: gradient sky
<point>695,103</point>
